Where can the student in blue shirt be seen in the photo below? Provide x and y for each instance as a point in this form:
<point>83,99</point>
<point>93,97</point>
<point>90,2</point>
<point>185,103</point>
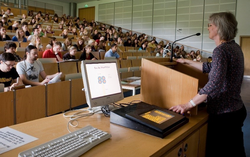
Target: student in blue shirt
<point>112,52</point>
<point>20,36</point>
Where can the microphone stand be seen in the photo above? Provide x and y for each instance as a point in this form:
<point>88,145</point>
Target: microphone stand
<point>172,48</point>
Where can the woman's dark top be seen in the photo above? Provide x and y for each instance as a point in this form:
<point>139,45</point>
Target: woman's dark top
<point>225,78</point>
<point>83,56</point>
<point>67,56</point>
<point>6,38</point>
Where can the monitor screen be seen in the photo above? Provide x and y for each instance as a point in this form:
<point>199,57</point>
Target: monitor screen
<point>101,82</point>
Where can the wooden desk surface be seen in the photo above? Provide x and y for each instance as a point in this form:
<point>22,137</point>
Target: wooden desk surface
<point>124,142</point>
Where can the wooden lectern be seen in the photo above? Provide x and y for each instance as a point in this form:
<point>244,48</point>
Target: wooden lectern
<point>166,87</point>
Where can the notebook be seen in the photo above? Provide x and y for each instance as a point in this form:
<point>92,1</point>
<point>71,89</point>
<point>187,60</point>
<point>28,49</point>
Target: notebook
<point>57,78</point>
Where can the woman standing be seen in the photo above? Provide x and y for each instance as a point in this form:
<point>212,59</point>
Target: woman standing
<point>222,92</point>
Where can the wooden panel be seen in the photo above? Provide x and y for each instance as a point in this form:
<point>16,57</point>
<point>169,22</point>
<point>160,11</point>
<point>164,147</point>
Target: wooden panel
<point>31,8</point>
<point>166,87</point>
<point>40,54</point>
<point>23,11</point>
<point>136,62</point>
<point>78,54</point>
<point>96,54</point>
<point>20,54</point>
<point>7,109</point>
<point>126,54</point>
<point>157,60</point>
<point>30,104</point>
<point>77,95</point>
<point>45,41</point>
<point>24,44</point>
<point>203,139</point>
<point>175,152</point>
<point>102,54</point>
<point>121,48</point>
<point>125,63</point>
<point>49,11</point>
<point>129,48</point>
<point>137,73</point>
<point>186,69</point>
<point>49,68</point>
<point>58,97</point>
<point>87,13</point>
<point>137,54</point>
<point>245,46</point>
<point>67,68</point>
<point>191,145</point>
<point>126,75</point>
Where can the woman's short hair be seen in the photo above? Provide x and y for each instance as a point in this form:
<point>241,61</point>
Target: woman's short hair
<point>226,23</point>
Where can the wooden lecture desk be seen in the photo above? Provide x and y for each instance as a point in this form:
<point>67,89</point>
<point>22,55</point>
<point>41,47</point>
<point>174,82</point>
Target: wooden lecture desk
<point>124,142</point>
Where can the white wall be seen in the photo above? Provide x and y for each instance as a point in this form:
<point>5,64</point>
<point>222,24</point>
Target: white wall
<point>65,6</point>
<point>242,16</point>
<point>240,7</point>
<point>94,4</point>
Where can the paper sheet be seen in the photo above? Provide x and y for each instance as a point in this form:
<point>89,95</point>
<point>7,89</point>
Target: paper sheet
<point>137,82</point>
<point>10,139</point>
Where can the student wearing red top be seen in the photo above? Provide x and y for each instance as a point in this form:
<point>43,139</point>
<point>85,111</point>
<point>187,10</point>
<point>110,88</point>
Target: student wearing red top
<point>54,52</point>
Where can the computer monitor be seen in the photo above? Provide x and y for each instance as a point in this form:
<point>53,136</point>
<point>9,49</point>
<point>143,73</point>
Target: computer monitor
<point>101,81</point>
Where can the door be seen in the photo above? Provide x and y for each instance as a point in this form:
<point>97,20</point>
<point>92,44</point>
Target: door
<point>87,13</point>
<point>245,46</point>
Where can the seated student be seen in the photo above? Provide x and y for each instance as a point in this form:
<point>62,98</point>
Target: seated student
<point>49,30</point>
<point>5,20</point>
<point>112,52</point>
<point>8,73</point>
<point>55,52</point>
<point>41,31</point>
<point>14,26</point>
<point>51,43</point>
<point>64,34</point>
<point>8,12</point>
<point>198,56</point>
<point>74,31</point>
<point>25,29</point>
<point>66,44</point>
<point>20,36</point>
<point>152,44</point>
<point>87,55</point>
<point>35,32</point>
<point>10,47</point>
<point>79,44</point>
<point>128,42</point>
<point>3,35</point>
<point>71,54</point>
<point>160,53</point>
<point>143,46</point>
<point>30,68</point>
<point>36,41</point>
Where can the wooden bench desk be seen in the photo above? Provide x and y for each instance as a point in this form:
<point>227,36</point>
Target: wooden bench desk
<point>124,142</point>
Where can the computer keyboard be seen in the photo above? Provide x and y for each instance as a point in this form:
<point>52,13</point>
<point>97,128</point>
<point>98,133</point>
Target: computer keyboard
<point>73,144</point>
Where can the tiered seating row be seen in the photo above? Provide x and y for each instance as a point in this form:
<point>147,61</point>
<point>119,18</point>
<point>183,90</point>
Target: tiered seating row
<point>40,101</point>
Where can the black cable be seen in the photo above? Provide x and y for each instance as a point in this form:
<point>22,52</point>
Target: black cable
<point>106,109</point>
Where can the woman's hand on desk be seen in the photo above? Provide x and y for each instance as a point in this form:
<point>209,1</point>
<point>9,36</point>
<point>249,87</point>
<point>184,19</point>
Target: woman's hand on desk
<point>181,108</point>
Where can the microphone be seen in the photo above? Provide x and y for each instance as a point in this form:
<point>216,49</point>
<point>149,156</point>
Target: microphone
<point>172,48</point>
